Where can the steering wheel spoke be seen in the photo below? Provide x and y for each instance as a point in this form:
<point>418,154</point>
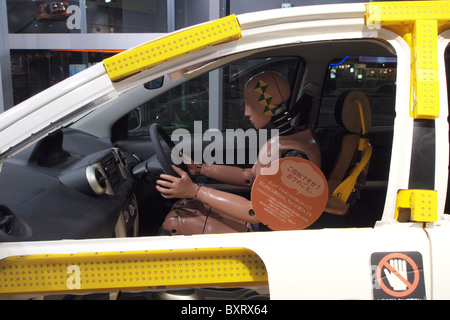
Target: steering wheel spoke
<point>158,134</point>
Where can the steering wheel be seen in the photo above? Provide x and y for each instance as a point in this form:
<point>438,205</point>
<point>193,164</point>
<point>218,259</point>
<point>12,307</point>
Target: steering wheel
<point>157,133</point>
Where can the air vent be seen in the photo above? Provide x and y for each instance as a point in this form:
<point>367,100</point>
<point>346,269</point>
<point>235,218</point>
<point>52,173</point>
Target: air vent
<point>6,220</point>
<point>97,179</point>
<point>100,178</point>
<point>98,175</point>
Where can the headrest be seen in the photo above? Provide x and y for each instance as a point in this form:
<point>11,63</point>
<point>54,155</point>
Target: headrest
<point>353,112</point>
<point>267,88</point>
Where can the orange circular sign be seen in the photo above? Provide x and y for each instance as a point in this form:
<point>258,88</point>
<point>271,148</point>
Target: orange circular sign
<point>289,194</point>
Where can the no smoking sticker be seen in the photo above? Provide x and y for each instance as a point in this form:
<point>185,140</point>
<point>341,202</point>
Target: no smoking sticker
<point>398,275</point>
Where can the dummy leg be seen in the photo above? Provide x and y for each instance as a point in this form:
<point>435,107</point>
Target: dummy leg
<point>189,217</point>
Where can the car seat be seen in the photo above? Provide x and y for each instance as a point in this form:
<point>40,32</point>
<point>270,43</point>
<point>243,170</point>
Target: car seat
<point>353,114</point>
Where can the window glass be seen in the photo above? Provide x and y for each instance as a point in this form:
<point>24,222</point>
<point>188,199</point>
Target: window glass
<point>376,76</point>
<point>181,106</point>
<point>40,16</point>
<point>189,13</point>
<point>124,16</point>
<point>87,16</point>
<point>176,108</point>
<point>36,70</point>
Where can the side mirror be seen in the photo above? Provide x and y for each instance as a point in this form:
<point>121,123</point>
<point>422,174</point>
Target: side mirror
<point>134,119</point>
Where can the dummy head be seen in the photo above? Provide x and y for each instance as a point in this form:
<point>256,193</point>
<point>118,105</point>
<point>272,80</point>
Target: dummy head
<point>263,94</point>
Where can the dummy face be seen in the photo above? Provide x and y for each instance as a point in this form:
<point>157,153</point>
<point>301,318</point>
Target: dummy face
<point>263,94</point>
<point>256,115</point>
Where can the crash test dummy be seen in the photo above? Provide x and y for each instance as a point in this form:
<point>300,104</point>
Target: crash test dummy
<point>206,210</point>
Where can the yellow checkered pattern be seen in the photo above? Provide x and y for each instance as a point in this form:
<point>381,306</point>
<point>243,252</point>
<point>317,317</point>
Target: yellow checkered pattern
<point>265,98</point>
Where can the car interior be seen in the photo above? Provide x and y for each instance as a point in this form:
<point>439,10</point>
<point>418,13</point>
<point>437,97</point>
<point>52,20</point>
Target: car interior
<point>82,181</point>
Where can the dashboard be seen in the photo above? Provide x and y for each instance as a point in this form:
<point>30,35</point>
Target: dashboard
<point>70,185</point>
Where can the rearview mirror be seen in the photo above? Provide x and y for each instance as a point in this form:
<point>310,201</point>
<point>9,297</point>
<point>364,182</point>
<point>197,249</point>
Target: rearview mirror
<point>154,84</point>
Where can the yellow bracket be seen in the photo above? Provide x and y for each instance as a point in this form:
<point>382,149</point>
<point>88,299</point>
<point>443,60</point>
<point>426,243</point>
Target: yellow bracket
<point>345,189</point>
<point>136,270</point>
<point>418,23</point>
<point>174,45</point>
<point>416,205</point>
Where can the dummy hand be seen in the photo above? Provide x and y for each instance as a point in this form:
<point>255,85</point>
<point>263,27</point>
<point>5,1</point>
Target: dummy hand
<point>194,168</point>
<point>174,187</point>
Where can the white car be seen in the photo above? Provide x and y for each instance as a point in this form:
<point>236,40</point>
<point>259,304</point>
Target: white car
<point>79,212</point>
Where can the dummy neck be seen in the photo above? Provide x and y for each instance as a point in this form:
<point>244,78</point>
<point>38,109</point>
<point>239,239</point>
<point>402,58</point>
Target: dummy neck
<point>283,121</point>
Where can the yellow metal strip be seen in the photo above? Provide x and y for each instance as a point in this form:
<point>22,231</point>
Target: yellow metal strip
<point>148,55</point>
<point>418,23</point>
<point>136,270</point>
<point>425,70</point>
<point>406,12</point>
<point>344,190</point>
<point>361,116</point>
<point>422,205</point>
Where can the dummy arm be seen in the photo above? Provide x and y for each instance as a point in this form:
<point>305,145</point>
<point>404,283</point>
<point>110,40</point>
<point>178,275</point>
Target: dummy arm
<point>228,174</point>
<point>224,203</point>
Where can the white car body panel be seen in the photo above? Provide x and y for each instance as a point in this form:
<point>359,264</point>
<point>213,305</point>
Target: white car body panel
<point>439,242</point>
<point>313,264</point>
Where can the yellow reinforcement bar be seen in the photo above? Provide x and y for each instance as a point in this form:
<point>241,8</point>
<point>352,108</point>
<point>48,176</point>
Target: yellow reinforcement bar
<point>155,52</point>
<point>421,205</point>
<point>418,22</point>
<point>406,12</point>
<point>136,270</point>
